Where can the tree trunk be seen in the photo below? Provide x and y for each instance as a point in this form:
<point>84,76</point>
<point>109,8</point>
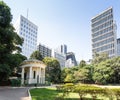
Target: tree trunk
<point>80,97</point>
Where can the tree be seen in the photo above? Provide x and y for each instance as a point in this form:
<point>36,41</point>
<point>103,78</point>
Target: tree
<point>15,61</point>
<point>90,69</point>
<point>53,70</point>
<point>5,15</point>
<point>82,63</point>
<point>84,74</point>
<point>36,55</point>
<point>81,75</point>
<point>103,72</point>
<point>67,74</point>
<point>115,65</point>
<point>107,71</point>
<point>99,57</point>
<point>9,42</point>
<point>78,74</point>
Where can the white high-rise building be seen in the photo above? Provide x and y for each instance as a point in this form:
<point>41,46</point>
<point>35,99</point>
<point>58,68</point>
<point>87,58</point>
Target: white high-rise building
<point>62,49</point>
<point>118,47</point>
<point>60,54</point>
<point>61,58</point>
<point>28,31</point>
<point>104,33</point>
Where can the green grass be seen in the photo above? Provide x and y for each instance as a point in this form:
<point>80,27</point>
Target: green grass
<point>44,93</point>
<point>52,94</point>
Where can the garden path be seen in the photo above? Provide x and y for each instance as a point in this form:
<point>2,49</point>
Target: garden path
<point>14,93</point>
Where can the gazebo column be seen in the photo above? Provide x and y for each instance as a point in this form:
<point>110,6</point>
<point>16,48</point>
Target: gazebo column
<point>37,76</point>
<point>22,75</point>
<point>43,76</point>
<point>30,75</point>
<point>40,76</point>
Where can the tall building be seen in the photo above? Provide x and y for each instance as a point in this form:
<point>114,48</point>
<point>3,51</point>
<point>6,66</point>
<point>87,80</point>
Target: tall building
<point>70,60</point>
<point>61,58</point>
<point>62,49</point>
<point>28,31</point>
<point>118,47</point>
<point>104,33</point>
<point>44,50</point>
<point>60,54</point>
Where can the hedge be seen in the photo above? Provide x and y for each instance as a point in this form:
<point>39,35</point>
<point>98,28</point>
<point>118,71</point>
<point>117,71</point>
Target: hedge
<point>94,91</point>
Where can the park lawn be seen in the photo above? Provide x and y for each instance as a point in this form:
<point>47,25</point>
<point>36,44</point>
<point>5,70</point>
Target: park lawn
<point>52,94</point>
<point>44,93</point>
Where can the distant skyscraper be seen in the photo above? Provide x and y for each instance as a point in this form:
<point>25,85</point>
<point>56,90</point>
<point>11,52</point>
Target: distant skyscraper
<point>104,33</point>
<point>62,49</point>
<point>28,31</point>
<point>44,50</point>
<point>118,47</point>
<point>60,54</point>
<point>61,58</point>
<point>70,60</point>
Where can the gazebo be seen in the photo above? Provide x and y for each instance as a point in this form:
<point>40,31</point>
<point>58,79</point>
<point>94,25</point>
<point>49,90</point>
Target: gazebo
<point>33,72</point>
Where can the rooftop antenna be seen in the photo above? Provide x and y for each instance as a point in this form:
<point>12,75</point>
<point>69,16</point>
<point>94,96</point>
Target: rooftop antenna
<point>27,13</point>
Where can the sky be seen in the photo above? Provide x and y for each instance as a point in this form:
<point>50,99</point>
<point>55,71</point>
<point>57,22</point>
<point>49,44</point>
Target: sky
<point>64,21</point>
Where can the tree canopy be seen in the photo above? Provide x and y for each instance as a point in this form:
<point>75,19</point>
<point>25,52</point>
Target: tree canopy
<point>53,70</point>
<point>5,15</point>
<point>99,57</point>
<point>82,63</point>
<point>36,55</point>
<point>101,71</point>
<point>107,70</point>
<point>9,42</point>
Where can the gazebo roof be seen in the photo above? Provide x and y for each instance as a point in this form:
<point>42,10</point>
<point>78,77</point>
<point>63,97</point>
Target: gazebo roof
<point>32,62</point>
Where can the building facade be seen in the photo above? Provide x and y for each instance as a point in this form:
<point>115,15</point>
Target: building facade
<point>62,49</point>
<point>28,31</point>
<point>44,50</point>
<point>60,54</point>
<point>118,47</point>
<point>33,72</point>
<point>61,58</point>
<point>70,60</point>
<point>104,33</point>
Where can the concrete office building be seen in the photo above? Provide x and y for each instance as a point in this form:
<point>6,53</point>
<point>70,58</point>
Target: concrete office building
<point>44,50</point>
<point>118,47</point>
<point>104,33</point>
<point>28,31</point>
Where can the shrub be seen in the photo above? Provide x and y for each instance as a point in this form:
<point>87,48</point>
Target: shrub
<point>109,93</point>
<point>68,87</point>
<point>81,89</point>
<point>15,82</point>
<point>59,98</point>
<point>59,88</point>
<point>47,83</point>
<point>95,91</point>
<point>116,92</point>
